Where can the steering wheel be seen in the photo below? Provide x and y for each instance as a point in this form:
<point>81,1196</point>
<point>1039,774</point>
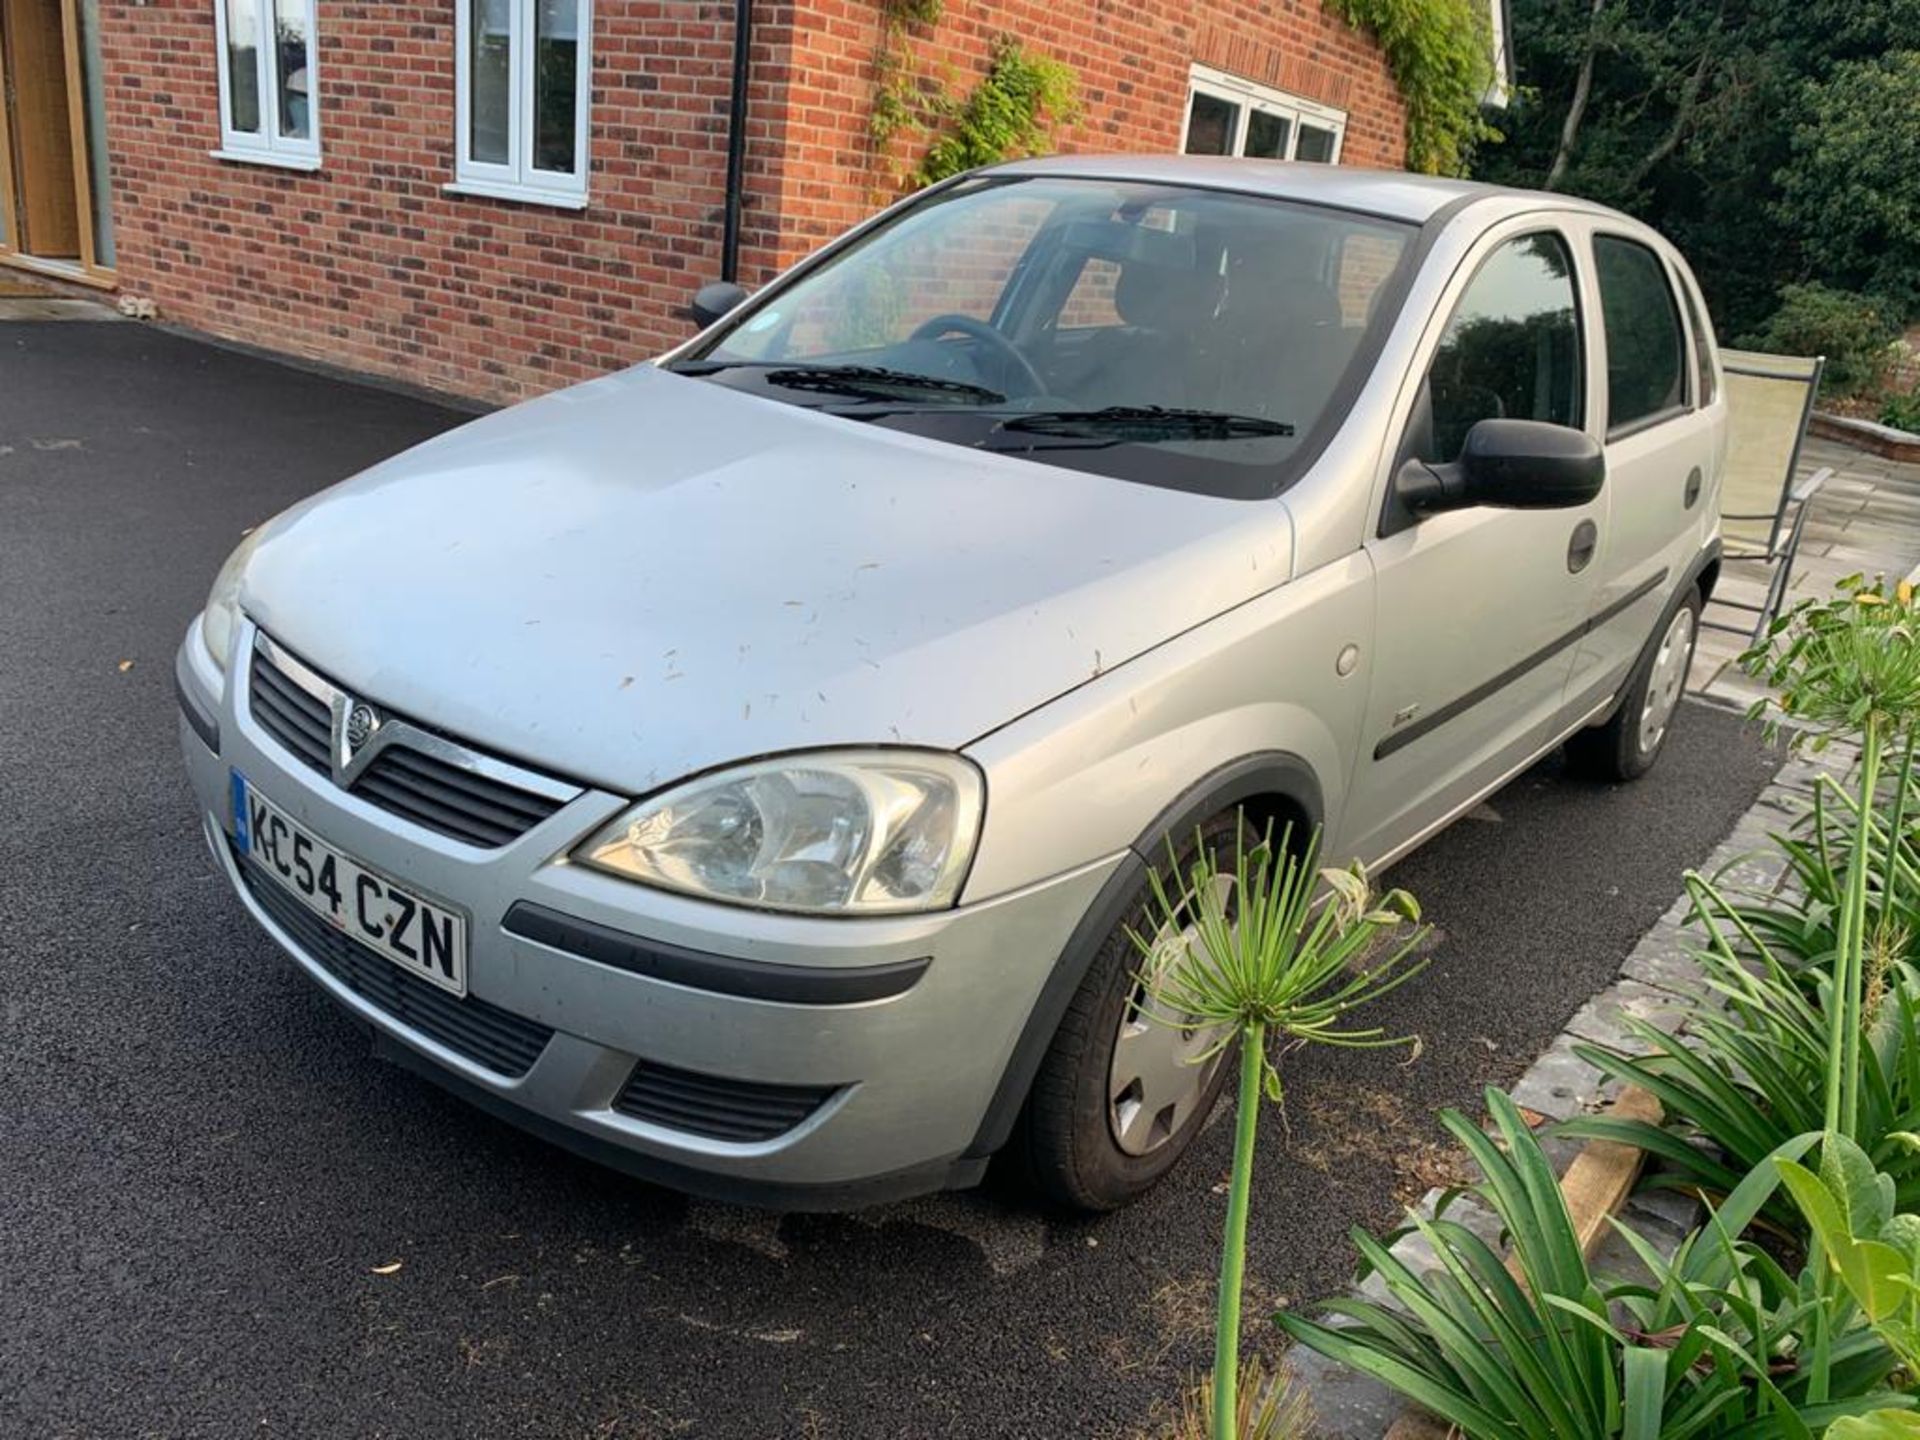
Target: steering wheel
<point>958,324</point>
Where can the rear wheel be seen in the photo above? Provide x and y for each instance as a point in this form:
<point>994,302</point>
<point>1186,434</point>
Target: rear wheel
<point>1627,745</point>
<point>1119,1097</point>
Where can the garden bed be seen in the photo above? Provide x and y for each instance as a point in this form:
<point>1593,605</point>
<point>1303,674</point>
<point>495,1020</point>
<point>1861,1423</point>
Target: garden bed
<point>1868,435</point>
<point>1660,981</point>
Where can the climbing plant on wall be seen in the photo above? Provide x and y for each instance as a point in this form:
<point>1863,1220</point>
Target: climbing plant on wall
<point>1010,112</point>
<point>1440,53</point>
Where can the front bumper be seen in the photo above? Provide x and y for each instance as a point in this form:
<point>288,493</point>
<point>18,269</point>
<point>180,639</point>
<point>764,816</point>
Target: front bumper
<point>907,1078</point>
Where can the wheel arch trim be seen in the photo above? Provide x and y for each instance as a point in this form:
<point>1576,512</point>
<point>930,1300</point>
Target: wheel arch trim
<point>1276,775</point>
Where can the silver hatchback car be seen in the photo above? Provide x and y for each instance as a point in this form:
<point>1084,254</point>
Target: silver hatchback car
<point>746,768</point>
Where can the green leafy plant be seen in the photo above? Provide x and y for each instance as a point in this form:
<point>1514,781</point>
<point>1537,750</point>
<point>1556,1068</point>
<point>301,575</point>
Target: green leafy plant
<point>1849,665</point>
<point>1010,113</point>
<point>1902,412</point>
<point>1530,1349</point>
<point>896,94</point>
<point>1440,53</point>
<point>1853,331</point>
<point>1262,962</point>
<point>1800,921</point>
<point>1751,1078</point>
<point>1881,1425</point>
<point>1868,1251</point>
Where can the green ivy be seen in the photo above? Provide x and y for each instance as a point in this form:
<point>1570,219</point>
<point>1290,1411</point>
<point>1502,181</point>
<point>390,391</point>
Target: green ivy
<point>1441,55</point>
<point>896,96</point>
<point>1009,114</point>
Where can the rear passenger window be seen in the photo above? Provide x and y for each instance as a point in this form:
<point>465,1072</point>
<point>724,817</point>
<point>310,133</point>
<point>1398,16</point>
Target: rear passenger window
<point>1512,348</point>
<point>1646,351</point>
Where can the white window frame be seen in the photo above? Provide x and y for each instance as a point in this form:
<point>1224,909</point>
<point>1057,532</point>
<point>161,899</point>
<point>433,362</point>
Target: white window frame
<point>520,179</point>
<point>1249,96</point>
<point>269,146</point>
<point>1500,91</point>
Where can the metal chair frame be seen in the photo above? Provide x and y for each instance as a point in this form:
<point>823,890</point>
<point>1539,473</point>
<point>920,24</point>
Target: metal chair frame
<point>1781,557</point>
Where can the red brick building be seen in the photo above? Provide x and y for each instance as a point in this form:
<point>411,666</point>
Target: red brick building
<point>431,190</point>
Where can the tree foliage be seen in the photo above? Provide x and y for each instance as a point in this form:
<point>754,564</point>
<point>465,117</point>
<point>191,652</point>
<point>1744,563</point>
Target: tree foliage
<point>1706,118</point>
<point>1852,190</point>
<point>1441,56</point>
<point>1853,331</point>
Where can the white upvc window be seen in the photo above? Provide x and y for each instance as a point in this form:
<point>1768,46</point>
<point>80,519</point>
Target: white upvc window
<point>1229,115</point>
<point>269,82</point>
<point>523,80</point>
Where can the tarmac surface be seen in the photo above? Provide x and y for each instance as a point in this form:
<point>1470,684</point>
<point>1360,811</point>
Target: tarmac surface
<point>202,1170</point>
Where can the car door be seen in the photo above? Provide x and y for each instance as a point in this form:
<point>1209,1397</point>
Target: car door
<point>1663,445</point>
<point>1477,609</point>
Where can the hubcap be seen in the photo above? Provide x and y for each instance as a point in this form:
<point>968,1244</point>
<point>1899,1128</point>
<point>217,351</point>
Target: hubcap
<point>1157,1079</point>
<point>1667,680</point>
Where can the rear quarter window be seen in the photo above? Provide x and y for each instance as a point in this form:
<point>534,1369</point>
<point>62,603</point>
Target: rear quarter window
<point>1646,346</point>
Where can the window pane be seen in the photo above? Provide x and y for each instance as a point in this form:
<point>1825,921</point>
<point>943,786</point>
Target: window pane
<point>243,72</point>
<point>490,83</point>
<point>1512,348</point>
<point>556,49</point>
<point>1316,144</point>
<point>1646,362</point>
<point>293,66</point>
<point>1702,346</point>
<point>1267,135</point>
<point>1211,123</point>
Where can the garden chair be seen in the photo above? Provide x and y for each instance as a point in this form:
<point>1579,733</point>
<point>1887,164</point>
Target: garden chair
<point>1763,513</point>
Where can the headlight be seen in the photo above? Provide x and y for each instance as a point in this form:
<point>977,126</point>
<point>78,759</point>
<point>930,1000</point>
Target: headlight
<point>221,617</point>
<point>850,832</point>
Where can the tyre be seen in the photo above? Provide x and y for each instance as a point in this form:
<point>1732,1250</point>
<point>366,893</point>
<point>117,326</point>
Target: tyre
<point>1625,747</point>
<point>1117,1099</point>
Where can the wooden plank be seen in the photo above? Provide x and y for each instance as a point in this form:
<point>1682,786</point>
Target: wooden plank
<point>1596,1184</point>
<point>1602,1174</point>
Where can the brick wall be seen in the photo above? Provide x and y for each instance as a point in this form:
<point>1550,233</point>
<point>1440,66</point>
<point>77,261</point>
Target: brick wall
<point>369,264</point>
<point>1133,58</point>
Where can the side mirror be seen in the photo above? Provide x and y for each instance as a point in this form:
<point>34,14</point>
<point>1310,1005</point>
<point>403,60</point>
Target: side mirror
<point>1511,464</point>
<point>715,299</point>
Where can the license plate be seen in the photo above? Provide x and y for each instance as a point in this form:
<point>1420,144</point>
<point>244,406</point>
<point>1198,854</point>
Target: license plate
<point>425,939</point>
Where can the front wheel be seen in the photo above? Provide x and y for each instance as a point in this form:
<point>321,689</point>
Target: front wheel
<point>1120,1096</point>
<point>1625,747</point>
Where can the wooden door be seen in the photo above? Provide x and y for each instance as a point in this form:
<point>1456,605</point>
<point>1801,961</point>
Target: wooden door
<point>40,126</point>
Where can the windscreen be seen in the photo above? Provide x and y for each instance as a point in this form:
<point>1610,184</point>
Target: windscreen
<point>1199,337</point>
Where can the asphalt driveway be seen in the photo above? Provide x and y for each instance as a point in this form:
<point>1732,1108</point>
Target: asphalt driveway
<point>201,1169</point>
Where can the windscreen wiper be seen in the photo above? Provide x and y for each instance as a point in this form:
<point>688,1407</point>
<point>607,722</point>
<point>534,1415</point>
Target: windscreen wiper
<point>1147,422</point>
<point>863,380</point>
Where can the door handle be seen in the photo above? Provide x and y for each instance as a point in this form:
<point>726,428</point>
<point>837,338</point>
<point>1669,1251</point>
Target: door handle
<point>1693,487</point>
<point>1586,539</point>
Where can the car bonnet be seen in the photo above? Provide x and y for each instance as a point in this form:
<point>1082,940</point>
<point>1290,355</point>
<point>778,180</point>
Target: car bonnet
<point>649,575</point>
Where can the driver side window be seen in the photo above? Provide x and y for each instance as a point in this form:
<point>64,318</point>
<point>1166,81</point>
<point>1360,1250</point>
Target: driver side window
<point>1511,350</point>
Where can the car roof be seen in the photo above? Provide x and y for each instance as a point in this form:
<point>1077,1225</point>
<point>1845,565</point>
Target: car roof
<point>1395,194</point>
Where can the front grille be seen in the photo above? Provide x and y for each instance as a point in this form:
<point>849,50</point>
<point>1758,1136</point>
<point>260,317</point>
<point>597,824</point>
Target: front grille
<point>503,1042</point>
<point>445,798</point>
<point>302,723</point>
<point>722,1109</point>
<point>468,806</point>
